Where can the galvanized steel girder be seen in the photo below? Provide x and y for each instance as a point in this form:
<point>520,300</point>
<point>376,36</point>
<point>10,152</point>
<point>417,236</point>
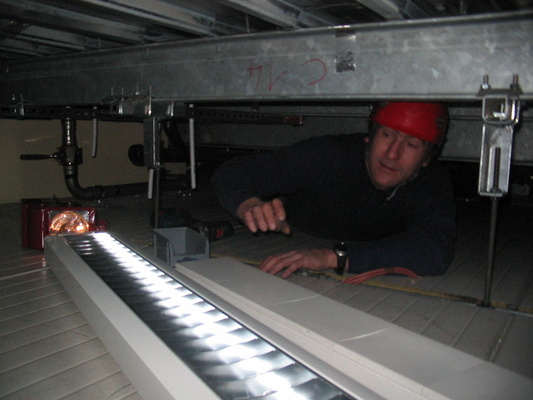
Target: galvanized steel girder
<point>425,59</point>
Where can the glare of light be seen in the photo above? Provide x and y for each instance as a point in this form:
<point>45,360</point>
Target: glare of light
<point>229,339</point>
<point>239,352</point>
<point>149,277</point>
<point>215,328</point>
<point>127,258</point>
<point>255,365</point>
<point>153,287</point>
<point>68,222</point>
<point>288,394</point>
<point>135,265</point>
<point>182,309</point>
<point>203,318</point>
<point>274,382</point>
<point>162,289</point>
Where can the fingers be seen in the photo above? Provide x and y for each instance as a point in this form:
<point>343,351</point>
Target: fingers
<point>249,221</point>
<point>255,218</point>
<point>278,209</point>
<point>285,228</point>
<point>266,216</point>
<point>279,212</point>
<point>288,263</point>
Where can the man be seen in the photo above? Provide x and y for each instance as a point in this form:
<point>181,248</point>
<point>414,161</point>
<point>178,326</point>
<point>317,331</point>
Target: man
<point>383,194</point>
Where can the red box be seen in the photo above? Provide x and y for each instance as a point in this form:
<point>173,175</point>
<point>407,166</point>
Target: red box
<point>36,216</point>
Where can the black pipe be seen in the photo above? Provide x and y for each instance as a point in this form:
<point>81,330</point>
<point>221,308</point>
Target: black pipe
<point>100,192</point>
<point>70,159</point>
<point>69,155</point>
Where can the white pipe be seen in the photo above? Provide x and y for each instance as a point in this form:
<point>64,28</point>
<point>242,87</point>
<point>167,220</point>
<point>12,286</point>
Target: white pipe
<point>150,183</point>
<point>192,154</point>
<point>95,136</point>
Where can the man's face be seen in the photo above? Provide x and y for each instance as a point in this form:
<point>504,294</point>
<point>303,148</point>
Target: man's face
<point>394,157</point>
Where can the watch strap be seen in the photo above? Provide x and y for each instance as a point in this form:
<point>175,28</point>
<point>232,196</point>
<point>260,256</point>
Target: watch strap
<point>341,251</point>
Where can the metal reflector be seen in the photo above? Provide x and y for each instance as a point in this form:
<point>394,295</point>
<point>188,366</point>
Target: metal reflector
<point>231,359</point>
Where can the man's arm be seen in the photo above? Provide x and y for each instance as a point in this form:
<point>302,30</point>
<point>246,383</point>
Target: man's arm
<point>425,248</point>
<point>268,175</point>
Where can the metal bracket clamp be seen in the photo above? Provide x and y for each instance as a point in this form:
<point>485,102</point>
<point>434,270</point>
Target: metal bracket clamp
<point>18,107</point>
<point>500,113</point>
<point>139,104</point>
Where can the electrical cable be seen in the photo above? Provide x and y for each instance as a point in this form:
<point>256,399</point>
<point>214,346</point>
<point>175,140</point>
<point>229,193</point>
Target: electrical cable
<point>360,278</point>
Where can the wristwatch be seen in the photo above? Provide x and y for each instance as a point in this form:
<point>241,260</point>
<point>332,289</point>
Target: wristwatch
<point>341,251</point>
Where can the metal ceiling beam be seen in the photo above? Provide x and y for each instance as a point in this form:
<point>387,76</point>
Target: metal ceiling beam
<point>34,12</point>
<point>16,46</point>
<point>171,15</point>
<point>61,40</point>
<point>431,59</point>
<point>280,12</point>
<point>395,9</point>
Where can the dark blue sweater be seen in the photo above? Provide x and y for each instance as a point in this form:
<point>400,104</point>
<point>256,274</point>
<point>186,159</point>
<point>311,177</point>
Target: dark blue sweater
<point>327,192</point>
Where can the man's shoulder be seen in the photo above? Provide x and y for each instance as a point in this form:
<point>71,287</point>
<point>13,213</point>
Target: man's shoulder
<point>435,170</point>
<point>433,181</point>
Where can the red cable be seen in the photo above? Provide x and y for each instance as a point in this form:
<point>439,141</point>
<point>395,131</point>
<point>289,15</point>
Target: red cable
<point>357,279</point>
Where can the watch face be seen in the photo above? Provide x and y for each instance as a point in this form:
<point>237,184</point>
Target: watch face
<point>341,249</point>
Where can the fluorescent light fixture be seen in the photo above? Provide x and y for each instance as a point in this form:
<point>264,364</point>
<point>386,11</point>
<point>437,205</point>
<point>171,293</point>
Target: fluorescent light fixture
<point>234,361</point>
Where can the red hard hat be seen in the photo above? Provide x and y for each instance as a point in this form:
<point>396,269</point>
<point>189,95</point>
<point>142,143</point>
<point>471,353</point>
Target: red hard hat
<point>426,121</point>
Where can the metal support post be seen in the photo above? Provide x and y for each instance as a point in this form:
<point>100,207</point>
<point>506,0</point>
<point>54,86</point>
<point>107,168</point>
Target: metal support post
<point>500,113</point>
<point>152,146</point>
<point>95,135</point>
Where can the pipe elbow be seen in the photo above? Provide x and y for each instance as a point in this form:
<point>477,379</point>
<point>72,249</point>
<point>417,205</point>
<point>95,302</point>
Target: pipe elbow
<point>88,193</point>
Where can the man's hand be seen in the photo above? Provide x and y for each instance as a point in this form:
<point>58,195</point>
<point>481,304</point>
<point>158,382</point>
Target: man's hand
<point>264,216</point>
<point>318,260</point>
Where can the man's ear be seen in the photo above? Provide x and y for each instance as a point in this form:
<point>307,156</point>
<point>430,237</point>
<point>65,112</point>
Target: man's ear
<point>432,152</point>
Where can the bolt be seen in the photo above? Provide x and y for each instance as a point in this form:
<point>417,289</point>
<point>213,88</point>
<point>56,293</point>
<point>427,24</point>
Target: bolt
<point>485,85</point>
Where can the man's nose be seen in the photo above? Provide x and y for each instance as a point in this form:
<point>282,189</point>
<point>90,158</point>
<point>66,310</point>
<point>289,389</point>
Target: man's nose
<point>394,152</point>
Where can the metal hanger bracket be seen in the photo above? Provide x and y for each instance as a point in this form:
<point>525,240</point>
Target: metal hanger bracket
<point>500,114</point>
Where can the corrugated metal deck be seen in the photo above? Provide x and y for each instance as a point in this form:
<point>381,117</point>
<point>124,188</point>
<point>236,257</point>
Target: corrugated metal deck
<point>48,351</point>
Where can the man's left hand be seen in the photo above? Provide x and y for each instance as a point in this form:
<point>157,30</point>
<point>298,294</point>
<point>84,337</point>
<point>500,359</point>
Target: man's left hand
<point>317,259</point>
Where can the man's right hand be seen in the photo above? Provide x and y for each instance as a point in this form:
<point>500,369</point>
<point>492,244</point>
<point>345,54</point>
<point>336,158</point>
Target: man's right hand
<point>264,216</point>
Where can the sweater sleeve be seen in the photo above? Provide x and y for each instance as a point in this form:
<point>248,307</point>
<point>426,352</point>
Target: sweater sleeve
<point>266,175</point>
<point>426,246</point>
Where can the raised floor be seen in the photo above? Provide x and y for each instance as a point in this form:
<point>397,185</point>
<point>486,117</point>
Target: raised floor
<point>48,350</point>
